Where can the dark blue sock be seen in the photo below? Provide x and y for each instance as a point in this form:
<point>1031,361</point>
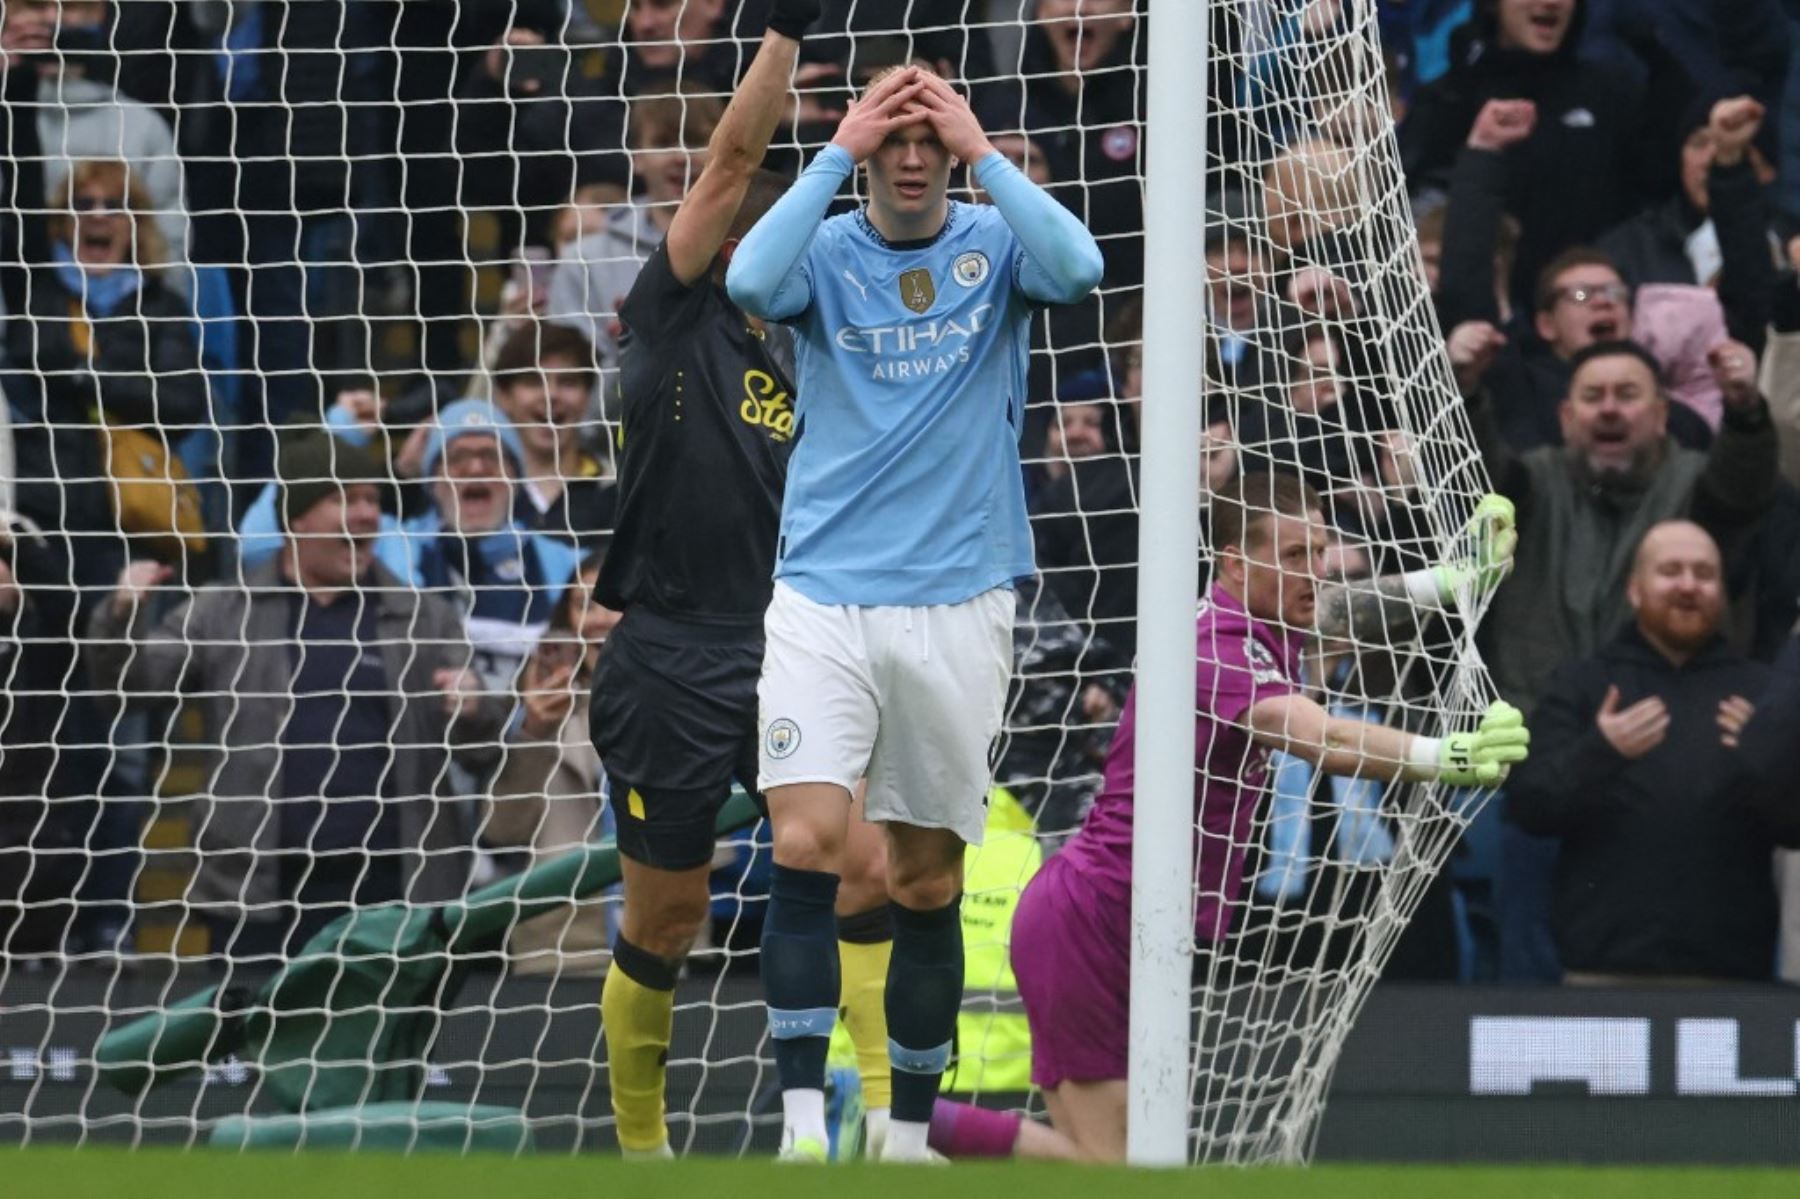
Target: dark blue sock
<point>800,973</point>
<point>924,994</point>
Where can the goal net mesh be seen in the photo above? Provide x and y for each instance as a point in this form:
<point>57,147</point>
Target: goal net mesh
<point>239,830</point>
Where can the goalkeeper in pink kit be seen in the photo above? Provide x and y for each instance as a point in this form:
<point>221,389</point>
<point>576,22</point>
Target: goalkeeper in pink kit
<point>1071,939</point>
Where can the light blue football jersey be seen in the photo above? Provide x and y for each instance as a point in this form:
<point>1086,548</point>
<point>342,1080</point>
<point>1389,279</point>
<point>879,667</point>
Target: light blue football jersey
<point>904,487</point>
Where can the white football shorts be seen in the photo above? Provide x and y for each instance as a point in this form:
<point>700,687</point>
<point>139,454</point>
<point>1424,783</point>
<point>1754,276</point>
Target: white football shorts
<point>910,698</point>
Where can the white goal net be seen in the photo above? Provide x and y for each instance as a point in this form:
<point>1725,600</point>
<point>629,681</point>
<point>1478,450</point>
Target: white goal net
<point>275,869</point>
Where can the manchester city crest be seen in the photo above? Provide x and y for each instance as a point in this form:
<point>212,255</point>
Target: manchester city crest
<point>782,739</point>
<point>970,269</point>
<point>917,291</point>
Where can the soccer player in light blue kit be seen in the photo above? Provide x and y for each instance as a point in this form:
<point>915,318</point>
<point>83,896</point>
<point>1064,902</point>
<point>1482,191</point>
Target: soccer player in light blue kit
<point>889,638</point>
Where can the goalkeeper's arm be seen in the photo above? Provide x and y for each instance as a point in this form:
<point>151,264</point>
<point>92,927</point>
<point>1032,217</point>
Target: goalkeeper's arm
<point>1297,725</point>
<point>736,150</point>
<point>1391,605</point>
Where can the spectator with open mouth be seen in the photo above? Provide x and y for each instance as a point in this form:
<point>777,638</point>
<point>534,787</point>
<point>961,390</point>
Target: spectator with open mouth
<point>1581,300</point>
<point>504,578</point>
<point>1571,164</point>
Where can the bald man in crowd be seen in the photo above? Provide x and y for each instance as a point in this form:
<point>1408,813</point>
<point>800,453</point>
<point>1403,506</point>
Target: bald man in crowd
<point>1663,871</point>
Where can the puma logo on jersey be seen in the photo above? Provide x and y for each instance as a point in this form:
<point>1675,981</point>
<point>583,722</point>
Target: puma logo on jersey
<point>858,283</point>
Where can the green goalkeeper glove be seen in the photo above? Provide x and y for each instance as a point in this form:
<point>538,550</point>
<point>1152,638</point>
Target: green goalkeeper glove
<point>1483,758</point>
<point>1491,537</point>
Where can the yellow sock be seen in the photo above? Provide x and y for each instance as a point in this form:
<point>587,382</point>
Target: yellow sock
<point>864,969</point>
<point>637,1020</point>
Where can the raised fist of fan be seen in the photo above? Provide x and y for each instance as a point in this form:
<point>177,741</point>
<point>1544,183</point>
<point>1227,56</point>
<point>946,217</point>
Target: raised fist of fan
<point>889,105</point>
<point>1502,124</point>
<point>1473,346</point>
<point>1734,368</point>
<point>1483,758</point>
<point>1733,124</point>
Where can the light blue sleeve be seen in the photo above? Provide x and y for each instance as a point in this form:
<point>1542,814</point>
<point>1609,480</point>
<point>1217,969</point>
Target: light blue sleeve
<point>1062,260</point>
<point>397,548</point>
<point>342,424</point>
<point>767,277</point>
<point>259,532</point>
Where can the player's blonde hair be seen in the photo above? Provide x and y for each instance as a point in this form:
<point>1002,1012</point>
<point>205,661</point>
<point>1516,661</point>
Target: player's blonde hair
<point>884,72</point>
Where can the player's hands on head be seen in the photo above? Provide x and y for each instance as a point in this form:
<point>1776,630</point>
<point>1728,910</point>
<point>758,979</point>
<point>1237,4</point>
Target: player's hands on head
<point>889,105</point>
<point>1484,757</point>
<point>953,120</point>
<point>790,18</point>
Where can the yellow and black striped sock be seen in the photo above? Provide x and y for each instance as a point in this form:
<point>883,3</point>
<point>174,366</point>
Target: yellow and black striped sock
<point>637,1014</point>
<point>865,942</point>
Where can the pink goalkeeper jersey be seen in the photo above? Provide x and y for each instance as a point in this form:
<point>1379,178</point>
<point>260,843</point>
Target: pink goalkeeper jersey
<point>1240,663</point>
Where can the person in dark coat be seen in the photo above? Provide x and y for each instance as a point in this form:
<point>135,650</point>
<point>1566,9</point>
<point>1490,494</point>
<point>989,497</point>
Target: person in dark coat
<point>1771,742</point>
<point>336,696</point>
<point>1079,94</point>
<point>49,765</point>
<point>1680,49</point>
<point>1582,168</point>
<point>535,127</point>
<point>1714,231</point>
<point>1664,863</point>
<point>543,380</point>
<point>1581,299</point>
<point>105,338</point>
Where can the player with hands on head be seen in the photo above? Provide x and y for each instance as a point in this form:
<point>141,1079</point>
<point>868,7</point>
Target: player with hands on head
<point>1072,931</point>
<point>903,529</point>
<point>707,427</point>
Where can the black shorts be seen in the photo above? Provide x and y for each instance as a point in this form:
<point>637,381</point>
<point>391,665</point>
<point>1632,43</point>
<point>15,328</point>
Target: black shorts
<point>674,720</point>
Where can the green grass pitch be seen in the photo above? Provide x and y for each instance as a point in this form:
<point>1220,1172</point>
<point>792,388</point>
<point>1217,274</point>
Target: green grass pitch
<point>157,1174</point>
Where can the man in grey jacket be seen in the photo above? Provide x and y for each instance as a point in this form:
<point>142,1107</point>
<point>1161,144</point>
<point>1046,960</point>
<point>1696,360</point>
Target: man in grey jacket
<point>1584,506</point>
<point>333,696</point>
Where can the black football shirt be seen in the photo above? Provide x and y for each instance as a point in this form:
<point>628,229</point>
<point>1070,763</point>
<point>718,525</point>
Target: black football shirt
<point>708,424</point>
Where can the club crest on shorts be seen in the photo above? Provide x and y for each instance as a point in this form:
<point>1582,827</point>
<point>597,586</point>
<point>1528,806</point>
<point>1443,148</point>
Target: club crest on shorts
<point>970,269</point>
<point>917,291</point>
<point>782,739</point>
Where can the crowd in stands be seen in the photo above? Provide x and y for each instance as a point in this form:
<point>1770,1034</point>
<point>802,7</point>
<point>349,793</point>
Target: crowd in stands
<point>310,349</point>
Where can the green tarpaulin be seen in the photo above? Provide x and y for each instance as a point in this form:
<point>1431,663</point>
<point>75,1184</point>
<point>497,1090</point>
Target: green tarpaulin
<point>347,1023</point>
